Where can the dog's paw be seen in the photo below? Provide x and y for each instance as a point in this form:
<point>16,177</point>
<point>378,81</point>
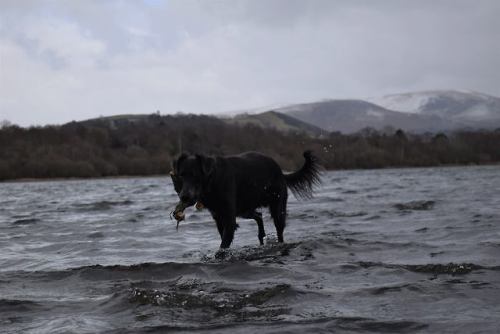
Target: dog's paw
<point>270,239</point>
<point>222,253</point>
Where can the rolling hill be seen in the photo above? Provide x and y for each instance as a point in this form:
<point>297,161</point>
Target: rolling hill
<point>278,121</point>
<point>349,116</point>
<point>418,112</point>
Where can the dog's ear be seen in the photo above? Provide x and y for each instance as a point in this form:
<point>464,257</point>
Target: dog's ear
<point>177,162</point>
<point>177,182</point>
<point>207,164</point>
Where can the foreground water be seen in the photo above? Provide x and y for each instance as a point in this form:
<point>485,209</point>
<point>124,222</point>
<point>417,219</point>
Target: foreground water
<point>409,250</point>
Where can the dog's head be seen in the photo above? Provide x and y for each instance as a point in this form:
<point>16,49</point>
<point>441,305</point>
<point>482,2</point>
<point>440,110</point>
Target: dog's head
<point>191,175</point>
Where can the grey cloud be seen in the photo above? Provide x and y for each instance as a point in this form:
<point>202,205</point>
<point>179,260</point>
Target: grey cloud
<point>108,57</point>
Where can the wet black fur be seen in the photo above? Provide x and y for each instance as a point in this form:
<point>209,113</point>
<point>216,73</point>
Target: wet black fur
<point>235,186</point>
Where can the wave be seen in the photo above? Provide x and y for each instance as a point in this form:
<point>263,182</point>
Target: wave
<point>324,324</point>
<point>328,214</point>
<point>432,268</point>
<point>216,297</point>
<point>101,205</point>
<point>415,205</point>
<point>26,221</point>
<point>235,265</point>
<point>16,305</point>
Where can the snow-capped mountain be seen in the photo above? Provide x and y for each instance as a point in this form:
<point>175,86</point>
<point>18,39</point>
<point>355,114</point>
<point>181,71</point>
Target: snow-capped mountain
<point>458,106</point>
<point>417,111</point>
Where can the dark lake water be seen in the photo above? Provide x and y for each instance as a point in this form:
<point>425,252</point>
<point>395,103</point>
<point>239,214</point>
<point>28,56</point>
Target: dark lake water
<point>399,250</point>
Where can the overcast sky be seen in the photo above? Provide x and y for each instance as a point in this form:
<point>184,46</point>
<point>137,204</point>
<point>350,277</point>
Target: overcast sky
<point>73,60</point>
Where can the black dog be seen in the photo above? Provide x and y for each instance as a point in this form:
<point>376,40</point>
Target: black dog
<point>235,186</point>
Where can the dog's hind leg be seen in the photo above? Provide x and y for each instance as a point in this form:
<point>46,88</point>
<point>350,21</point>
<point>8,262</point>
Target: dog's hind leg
<point>257,216</point>
<point>278,212</point>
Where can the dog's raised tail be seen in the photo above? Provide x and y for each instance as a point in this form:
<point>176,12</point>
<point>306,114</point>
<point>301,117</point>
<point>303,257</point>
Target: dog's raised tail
<point>302,182</point>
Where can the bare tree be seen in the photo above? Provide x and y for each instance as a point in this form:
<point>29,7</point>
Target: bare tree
<point>5,124</point>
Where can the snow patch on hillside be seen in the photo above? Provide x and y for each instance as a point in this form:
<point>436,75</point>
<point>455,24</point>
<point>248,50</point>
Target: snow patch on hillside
<point>416,102</point>
<point>375,113</point>
<point>481,113</point>
<point>408,103</point>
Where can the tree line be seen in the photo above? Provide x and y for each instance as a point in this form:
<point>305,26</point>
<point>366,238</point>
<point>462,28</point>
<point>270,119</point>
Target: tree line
<point>147,146</point>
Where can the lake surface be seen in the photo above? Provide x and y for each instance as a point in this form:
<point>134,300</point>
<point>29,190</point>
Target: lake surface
<point>399,250</point>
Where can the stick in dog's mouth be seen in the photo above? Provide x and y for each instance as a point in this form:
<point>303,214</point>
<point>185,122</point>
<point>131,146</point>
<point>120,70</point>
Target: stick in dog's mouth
<point>178,212</point>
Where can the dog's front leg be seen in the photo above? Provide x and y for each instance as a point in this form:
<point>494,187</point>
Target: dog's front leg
<point>220,224</point>
<point>229,224</point>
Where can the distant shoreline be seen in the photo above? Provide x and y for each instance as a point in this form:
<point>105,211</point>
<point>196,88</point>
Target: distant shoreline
<point>52,179</point>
